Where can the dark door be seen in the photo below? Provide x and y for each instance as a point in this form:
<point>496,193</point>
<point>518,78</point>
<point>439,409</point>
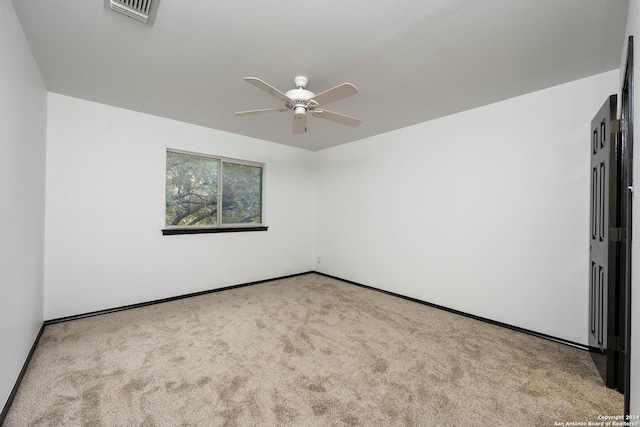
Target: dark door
<point>626,119</point>
<point>603,292</point>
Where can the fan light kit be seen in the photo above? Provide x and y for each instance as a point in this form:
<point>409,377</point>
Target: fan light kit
<point>303,101</point>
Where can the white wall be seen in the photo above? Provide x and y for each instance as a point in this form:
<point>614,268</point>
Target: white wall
<point>485,211</point>
<point>22,192</point>
<point>633,28</point>
<point>106,202</point>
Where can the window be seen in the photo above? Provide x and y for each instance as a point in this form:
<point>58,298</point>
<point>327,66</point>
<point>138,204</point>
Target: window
<point>206,194</point>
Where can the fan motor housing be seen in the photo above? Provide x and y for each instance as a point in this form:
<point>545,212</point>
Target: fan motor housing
<point>300,94</point>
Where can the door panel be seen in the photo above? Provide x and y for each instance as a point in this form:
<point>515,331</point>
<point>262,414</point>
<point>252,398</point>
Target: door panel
<point>605,155</point>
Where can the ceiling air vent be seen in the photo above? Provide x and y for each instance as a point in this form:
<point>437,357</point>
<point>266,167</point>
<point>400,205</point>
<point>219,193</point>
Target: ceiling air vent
<point>142,10</point>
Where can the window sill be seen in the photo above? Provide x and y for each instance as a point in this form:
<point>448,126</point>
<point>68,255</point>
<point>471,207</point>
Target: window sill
<point>205,230</point>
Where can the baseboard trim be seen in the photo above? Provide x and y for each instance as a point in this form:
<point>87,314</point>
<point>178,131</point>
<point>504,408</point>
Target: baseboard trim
<point>195,294</point>
<point>163,300</point>
<point>14,390</point>
<point>462,313</point>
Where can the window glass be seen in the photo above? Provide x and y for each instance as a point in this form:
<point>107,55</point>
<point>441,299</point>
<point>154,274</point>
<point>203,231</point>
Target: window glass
<point>242,193</point>
<point>192,190</point>
<point>197,194</point>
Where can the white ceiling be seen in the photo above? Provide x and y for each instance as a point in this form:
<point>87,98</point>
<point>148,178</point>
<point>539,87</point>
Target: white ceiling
<point>412,60</point>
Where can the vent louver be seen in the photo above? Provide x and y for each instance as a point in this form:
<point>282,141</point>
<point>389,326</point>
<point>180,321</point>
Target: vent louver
<point>142,10</point>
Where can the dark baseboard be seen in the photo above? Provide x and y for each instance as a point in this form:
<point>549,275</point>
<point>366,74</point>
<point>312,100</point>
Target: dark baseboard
<point>462,313</point>
<point>440,307</point>
<point>14,390</point>
<point>12,395</point>
<point>160,301</point>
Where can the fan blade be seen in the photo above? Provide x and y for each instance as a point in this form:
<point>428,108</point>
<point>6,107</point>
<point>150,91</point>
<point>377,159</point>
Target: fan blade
<point>267,88</point>
<point>299,124</point>
<point>263,111</point>
<point>335,94</point>
<point>337,117</point>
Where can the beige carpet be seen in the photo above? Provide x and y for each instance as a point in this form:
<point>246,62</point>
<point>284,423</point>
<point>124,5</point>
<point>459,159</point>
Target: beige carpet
<point>303,351</point>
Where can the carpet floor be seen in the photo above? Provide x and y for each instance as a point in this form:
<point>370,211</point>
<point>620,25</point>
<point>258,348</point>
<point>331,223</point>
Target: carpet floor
<point>303,351</point>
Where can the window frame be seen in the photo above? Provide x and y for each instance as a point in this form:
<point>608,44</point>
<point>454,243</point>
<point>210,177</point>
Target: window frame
<point>220,227</point>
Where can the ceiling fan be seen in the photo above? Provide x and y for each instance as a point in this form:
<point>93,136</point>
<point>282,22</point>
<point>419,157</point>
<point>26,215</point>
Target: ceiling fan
<point>302,101</point>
